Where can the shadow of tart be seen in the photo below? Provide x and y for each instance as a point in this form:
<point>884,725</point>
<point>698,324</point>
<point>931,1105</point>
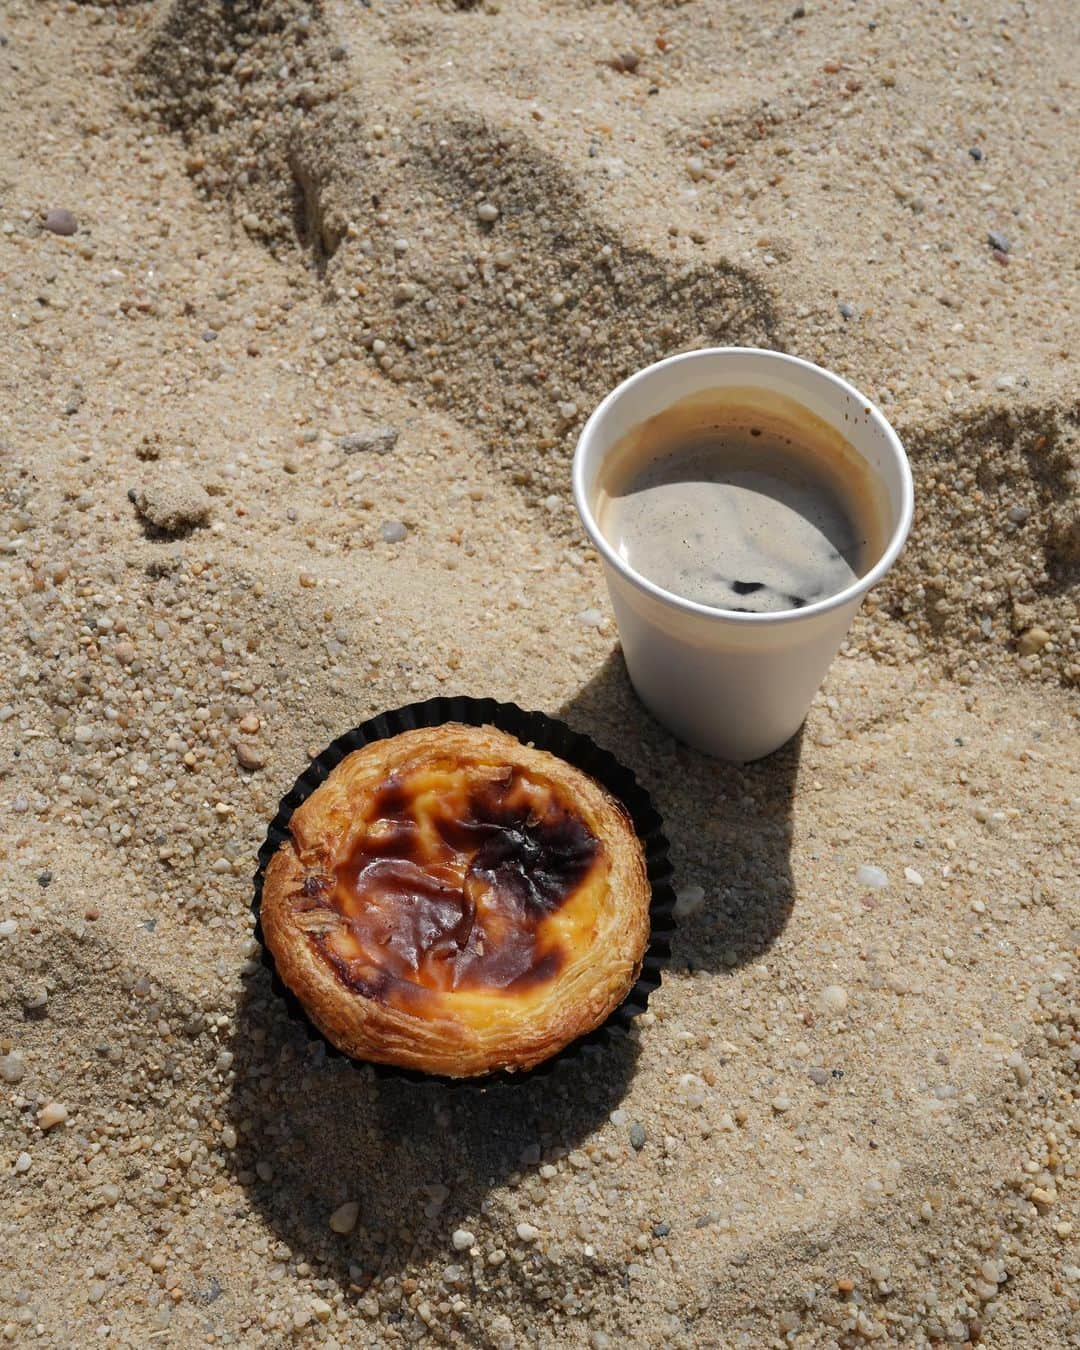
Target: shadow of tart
<point>453,901</point>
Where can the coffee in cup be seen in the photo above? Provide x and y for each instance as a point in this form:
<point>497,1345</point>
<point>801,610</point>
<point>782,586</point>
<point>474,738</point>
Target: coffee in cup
<point>742,500</point>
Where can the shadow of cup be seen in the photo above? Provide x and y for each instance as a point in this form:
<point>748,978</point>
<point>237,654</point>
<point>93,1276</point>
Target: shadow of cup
<point>729,825</point>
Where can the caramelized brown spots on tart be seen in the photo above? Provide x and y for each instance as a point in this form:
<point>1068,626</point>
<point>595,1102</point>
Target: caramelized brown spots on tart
<point>447,883</point>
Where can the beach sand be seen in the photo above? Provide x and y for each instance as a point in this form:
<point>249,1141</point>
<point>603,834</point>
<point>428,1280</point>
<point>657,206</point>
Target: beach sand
<point>851,1113</point>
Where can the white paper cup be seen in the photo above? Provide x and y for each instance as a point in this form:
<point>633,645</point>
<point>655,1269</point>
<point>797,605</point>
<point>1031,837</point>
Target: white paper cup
<point>735,685</point>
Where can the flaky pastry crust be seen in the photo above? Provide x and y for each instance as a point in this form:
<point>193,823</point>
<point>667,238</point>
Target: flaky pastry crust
<point>454,901</point>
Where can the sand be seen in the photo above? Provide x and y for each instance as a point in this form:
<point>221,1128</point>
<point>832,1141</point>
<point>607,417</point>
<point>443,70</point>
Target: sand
<point>851,1113</point>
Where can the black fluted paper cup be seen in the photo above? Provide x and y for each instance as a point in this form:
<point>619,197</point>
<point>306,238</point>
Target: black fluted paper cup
<point>545,733</point>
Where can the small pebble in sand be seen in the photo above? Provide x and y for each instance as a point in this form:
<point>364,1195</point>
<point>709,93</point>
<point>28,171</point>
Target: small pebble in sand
<point>1034,640</point>
<point>9,927</point>
<point>781,1104</point>
<point>688,901</point>
<point>591,618</point>
<point>846,311</point>
<point>832,1000</point>
<point>819,1076</point>
<point>393,531</point>
<point>12,1068</point>
<point>871,877</point>
<point>637,1136</point>
<point>379,440</point>
<point>527,1232</point>
<point>172,501</point>
<point>488,212</point>
<point>998,241</point>
<point>1018,514</point>
<point>249,757</point>
<point>692,1089</point>
<point>975,153</point>
<point>22,1163</point>
<point>344,1218</point>
<point>37,1000</point>
<point>913,877</point>
<point>51,1115</point>
<point>59,220</point>
<point>462,1239</point>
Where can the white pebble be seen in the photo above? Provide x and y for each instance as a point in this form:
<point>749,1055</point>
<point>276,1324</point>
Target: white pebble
<point>692,1089</point>
<point>688,900</point>
<point>781,1104</point>
<point>22,1163</point>
<point>527,1233</point>
<point>487,212</point>
<point>873,877</point>
<point>12,1069</point>
<point>591,618</point>
<point>833,1000</point>
<point>9,927</point>
<point>393,531</point>
<point>913,877</point>
<point>1020,1068</point>
<point>463,1239</point>
<point>55,1113</point>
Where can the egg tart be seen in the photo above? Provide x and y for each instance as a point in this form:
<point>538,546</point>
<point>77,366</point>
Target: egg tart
<point>453,901</point>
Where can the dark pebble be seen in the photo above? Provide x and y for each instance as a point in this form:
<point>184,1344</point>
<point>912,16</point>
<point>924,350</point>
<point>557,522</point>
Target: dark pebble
<point>997,240</point>
<point>637,1135</point>
<point>975,153</point>
<point>661,1229</point>
<point>44,879</point>
<point>209,336</point>
<point>848,311</point>
<point>58,220</point>
<point>799,12</point>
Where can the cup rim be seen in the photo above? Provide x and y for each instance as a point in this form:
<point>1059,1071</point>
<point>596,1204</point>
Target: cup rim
<point>855,591</point>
